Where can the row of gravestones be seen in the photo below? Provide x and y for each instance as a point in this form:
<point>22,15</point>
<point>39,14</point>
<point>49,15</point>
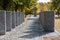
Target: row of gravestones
<point>9,20</point>
<point>47,20</point>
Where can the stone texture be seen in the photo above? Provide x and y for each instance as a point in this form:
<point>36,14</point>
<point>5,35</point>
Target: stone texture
<point>21,17</point>
<point>8,21</point>
<point>2,22</point>
<point>41,18</point>
<point>47,20</point>
<point>17,17</point>
<point>13,19</point>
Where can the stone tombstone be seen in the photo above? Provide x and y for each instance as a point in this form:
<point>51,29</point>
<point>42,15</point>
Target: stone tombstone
<point>2,22</point>
<point>8,20</point>
<point>47,20</point>
<point>21,17</point>
<point>35,13</point>
<point>41,18</point>
<point>17,17</point>
<point>13,19</point>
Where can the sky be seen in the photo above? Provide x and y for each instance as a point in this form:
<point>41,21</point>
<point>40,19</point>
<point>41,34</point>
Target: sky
<point>43,1</point>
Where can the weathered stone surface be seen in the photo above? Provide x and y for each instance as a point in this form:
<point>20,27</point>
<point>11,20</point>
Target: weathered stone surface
<point>13,19</point>
<point>2,22</point>
<point>8,21</point>
<point>42,18</point>
<point>18,18</point>
<point>17,15</point>
<point>47,20</point>
<point>21,17</point>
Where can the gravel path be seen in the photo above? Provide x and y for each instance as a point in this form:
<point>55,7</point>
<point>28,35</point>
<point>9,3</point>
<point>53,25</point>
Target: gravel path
<point>30,30</point>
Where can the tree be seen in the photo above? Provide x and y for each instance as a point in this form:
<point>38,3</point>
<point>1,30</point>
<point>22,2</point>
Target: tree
<point>56,6</point>
<point>18,5</point>
<point>1,3</point>
<point>5,3</point>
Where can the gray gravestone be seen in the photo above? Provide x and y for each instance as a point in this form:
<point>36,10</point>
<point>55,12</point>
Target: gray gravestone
<point>2,22</point>
<point>47,20</point>
<point>8,21</point>
<point>21,17</point>
<point>17,18</point>
<point>13,19</point>
<point>42,18</point>
<point>35,9</point>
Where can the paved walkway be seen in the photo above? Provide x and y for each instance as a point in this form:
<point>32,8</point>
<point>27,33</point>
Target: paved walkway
<point>31,30</point>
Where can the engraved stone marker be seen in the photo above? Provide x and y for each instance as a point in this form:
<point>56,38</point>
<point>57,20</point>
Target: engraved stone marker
<point>8,21</point>
<point>2,22</point>
<point>18,18</point>
<point>21,17</point>
<point>17,15</point>
<point>47,20</point>
<point>13,19</point>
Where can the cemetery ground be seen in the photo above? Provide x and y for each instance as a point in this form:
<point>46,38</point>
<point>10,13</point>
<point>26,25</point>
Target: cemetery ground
<point>57,25</point>
<point>31,30</point>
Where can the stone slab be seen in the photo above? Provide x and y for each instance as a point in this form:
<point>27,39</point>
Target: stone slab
<point>21,17</point>
<point>42,18</point>
<point>13,19</point>
<point>8,21</point>
<point>17,15</point>
<point>2,22</point>
<point>47,20</point>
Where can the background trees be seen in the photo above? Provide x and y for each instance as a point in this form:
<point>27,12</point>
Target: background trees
<point>55,5</point>
<point>43,7</point>
<point>18,5</point>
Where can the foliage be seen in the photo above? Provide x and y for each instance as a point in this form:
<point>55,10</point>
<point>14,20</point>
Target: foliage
<point>43,7</point>
<point>18,5</point>
<point>55,5</point>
